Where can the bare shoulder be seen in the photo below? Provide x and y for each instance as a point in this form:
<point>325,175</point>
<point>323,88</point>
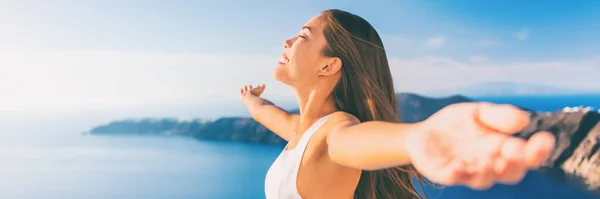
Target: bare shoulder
<point>342,119</point>
<point>335,121</point>
<point>341,116</point>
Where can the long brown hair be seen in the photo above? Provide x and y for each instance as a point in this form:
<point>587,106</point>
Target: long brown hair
<point>366,90</point>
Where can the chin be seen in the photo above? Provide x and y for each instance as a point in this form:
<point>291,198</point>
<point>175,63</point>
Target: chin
<point>280,75</point>
<point>283,80</point>
<point>286,82</point>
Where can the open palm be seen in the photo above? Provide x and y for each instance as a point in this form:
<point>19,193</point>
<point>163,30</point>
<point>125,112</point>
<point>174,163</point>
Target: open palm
<point>250,90</point>
<point>471,144</point>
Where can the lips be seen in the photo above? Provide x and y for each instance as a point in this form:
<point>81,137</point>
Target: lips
<point>283,59</point>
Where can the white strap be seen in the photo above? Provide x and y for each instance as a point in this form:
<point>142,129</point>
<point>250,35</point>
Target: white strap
<point>310,131</point>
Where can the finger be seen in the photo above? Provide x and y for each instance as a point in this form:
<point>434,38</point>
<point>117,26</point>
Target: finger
<point>481,181</point>
<point>250,87</point>
<point>484,177</point>
<point>454,174</point>
<point>260,88</point>
<point>241,91</point>
<point>538,148</point>
<point>509,172</point>
<point>510,166</point>
<point>503,118</point>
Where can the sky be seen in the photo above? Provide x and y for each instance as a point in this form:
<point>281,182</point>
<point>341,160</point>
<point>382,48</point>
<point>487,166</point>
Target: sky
<point>99,55</point>
<point>106,53</point>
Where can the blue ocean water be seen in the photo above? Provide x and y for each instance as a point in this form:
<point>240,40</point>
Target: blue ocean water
<point>98,167</point>
<point>52,165</point>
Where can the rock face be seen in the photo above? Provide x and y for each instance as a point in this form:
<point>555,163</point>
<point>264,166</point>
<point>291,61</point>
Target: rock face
<point>576,157</point>
<point>237,129</point>
<point>416,108</point>
<point>230,129</point>
<point>412,108</point>
<point>141,127</point>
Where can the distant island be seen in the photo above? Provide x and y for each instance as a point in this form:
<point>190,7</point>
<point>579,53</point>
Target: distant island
<point>412,108</point>
<point>569,161</point>
<point>492,89</point>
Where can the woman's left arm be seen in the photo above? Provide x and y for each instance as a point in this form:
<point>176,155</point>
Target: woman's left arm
<point>370,145</point>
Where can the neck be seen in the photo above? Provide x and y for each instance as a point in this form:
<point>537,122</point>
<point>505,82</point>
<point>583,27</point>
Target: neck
<point>321,103</point>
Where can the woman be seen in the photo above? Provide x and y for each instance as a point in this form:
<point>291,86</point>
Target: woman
<point>347,141</point>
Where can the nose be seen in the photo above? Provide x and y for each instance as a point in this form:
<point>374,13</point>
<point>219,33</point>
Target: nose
<point>287,43</point>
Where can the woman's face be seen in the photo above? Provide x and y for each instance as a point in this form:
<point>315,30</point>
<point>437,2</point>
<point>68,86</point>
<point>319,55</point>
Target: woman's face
<point>302,58</point>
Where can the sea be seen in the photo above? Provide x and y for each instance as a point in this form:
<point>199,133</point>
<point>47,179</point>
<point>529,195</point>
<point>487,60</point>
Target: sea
<point>55,161</point>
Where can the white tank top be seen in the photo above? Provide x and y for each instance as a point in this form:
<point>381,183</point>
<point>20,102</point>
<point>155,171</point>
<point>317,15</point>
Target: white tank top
<point>280,182</point>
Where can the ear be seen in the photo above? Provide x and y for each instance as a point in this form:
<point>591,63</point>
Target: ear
<point>333,66</point>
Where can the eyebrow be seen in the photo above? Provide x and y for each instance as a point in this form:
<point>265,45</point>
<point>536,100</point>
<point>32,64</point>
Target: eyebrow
<point>306,27</point>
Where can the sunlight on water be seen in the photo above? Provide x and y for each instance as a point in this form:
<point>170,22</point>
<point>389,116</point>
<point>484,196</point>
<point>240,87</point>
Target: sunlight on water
<point>133,167</point>
<point>52,160</point>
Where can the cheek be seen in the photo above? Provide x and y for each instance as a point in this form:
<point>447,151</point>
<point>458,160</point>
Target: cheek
<point>303,62</point>
<point>301,69</point>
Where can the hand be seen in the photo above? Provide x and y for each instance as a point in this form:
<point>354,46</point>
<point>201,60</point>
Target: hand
<point>248,90</point>
<point>471,144</point>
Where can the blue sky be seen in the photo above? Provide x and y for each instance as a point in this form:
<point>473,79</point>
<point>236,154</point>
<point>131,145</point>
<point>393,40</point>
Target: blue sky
<point>105,53</point>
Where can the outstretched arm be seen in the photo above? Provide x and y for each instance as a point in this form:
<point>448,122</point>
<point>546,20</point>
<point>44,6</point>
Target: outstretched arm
<point>268,114</point>
<point>468,144</point>
<point>370,145</point>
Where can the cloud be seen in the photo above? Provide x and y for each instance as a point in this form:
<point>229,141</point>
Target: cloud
<point>436,42</point>
<point>438,73</point>
<point>478,59</point>
<point>41,79</point>
<point>75,79</point>
<point>522,35</point>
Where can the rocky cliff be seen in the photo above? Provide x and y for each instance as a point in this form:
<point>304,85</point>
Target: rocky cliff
<point>416,108</point>
<point>412,108</point>
<point>575,158</point>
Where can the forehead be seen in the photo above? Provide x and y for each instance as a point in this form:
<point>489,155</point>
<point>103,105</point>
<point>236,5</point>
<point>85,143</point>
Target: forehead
<point>316,24</point>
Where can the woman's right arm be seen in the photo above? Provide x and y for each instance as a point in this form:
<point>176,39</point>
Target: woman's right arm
<point>461,144</point>
<point>269,115</point>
